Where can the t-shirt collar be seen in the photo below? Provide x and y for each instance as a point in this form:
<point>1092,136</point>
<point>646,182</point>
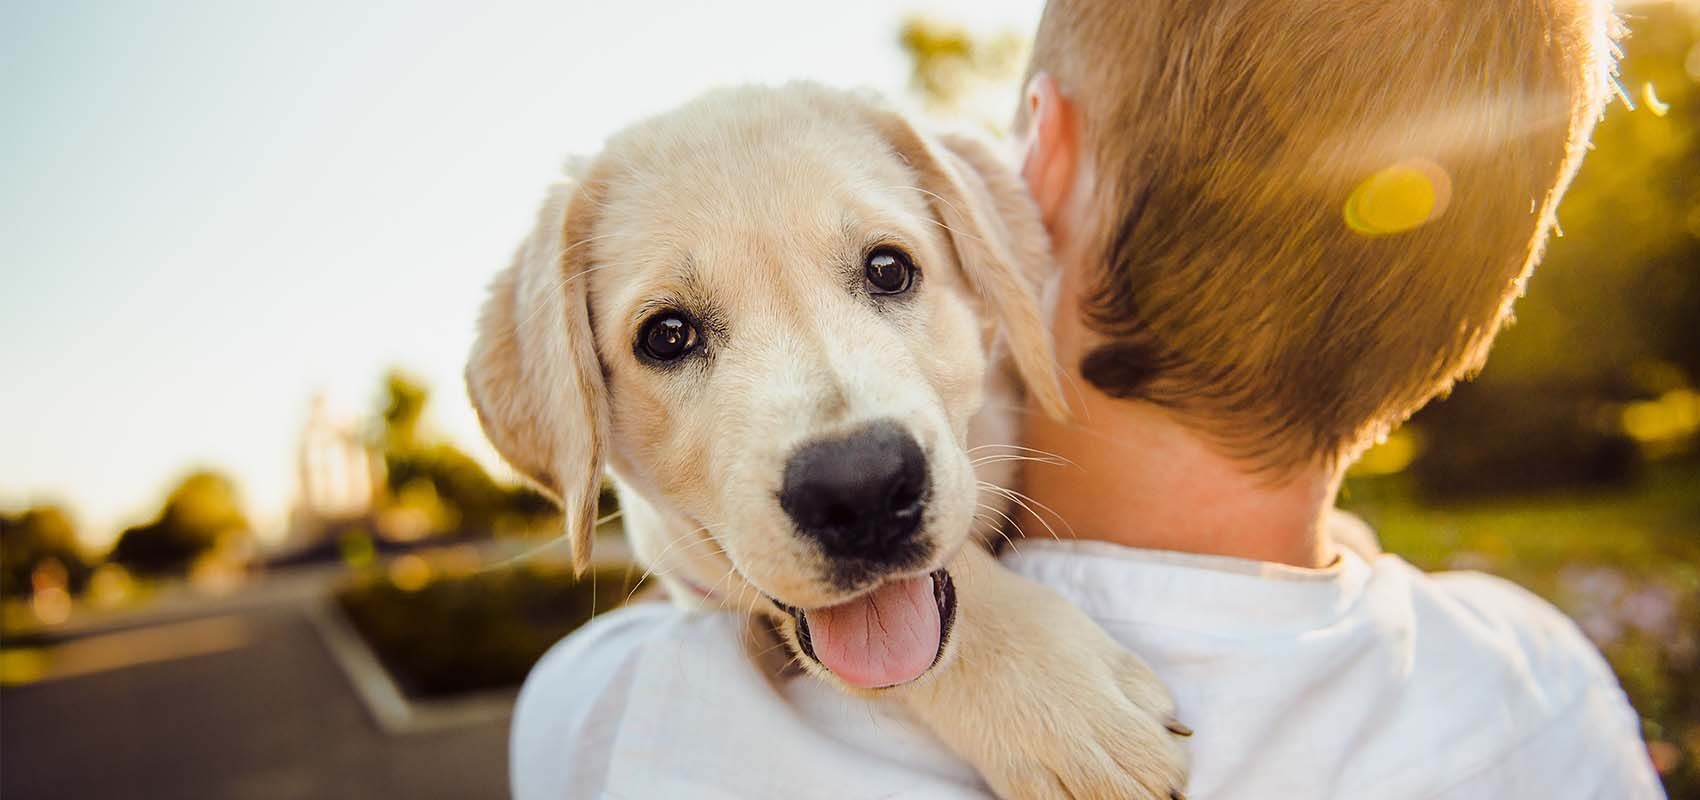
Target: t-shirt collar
<point>1114,583</point>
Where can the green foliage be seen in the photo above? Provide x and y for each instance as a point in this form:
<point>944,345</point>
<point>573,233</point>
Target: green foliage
<point>1493,439</point>
<point>1622,285</point>
<point>477,631</point>
<point>950,66</point>
<point>203,509</point>
<point>1612,315</point>
<point>404,400</point>
<point>470,497</point>
<point>435,478</point>
<point>37,536</point>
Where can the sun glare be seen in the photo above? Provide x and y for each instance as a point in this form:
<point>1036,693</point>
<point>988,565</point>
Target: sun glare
<point>1399,198</point>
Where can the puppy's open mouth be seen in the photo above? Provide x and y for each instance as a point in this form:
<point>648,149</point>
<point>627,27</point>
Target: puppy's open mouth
<point>887,636</point>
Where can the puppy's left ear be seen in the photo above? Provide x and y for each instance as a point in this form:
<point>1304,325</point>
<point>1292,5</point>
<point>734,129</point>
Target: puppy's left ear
<point>533,375</point>
<point>999,240</point>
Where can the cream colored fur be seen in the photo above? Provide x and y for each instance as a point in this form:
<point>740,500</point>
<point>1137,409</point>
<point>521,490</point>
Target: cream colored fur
<point>753,207</point>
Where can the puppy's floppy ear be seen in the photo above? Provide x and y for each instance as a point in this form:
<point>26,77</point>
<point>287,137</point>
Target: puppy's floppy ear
<point>534,377</point>
<point>999,240</point>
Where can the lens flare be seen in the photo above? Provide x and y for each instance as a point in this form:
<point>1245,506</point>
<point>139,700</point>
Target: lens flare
<point>1398,198</point>
<point>1652,101</point>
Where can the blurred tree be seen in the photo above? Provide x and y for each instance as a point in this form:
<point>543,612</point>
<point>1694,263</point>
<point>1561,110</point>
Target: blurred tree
<point>404,402</point>
<point>448,487</point>
<point>1612,315</point>
<point>39,535</point>
<point>957,72</point>
<point>202,510</point>
<point>1621,286</point>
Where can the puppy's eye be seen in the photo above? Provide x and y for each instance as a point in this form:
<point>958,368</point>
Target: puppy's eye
<point>888,271</point>
<point>667,336</point>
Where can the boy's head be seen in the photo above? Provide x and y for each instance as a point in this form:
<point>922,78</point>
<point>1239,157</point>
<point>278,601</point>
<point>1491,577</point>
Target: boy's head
<point>1305,218</point>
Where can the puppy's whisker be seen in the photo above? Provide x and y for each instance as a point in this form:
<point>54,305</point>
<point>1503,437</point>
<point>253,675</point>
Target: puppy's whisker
<point>1034,450</point>
<point>1002,445</point>
<point>985,460</point>
<point>714,591</point>
<point>1053,512</point>
<point>737,599</point>
<point>1021,410</point>
<point>544,547</point>
<point>991,523</point>
<point>692,543</point>
<point>665,571</point>
<point>994,458</point>
<point>566,279</point>
<point>1016,456</point>
<point>948,204</point>
<point>1000,512</point>
<point>1022,500</point>
<point>1000,529</point>
<point>1017,497</point>
<point>770,648</point>
<point>952,231</point>
<point>747,598</point>
<point>689,539</point>
<point>1038,456</point>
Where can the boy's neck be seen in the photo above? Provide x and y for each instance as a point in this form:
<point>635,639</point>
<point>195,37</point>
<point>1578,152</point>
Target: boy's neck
<point>1136,477</point>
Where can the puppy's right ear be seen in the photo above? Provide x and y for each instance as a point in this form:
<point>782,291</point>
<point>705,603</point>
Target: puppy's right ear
<point>1000,243</point>
<point>534,377</point>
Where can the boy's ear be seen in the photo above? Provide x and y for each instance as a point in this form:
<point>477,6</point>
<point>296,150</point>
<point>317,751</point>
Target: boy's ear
<point>998,239</point>
<point>534,377</point>
<point>1051,152</point>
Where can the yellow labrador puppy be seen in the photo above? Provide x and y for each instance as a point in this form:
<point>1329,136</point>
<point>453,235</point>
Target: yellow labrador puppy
<point>785,321</point>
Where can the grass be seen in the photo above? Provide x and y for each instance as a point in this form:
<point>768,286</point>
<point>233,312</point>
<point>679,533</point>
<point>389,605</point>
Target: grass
<point>1651,527</point>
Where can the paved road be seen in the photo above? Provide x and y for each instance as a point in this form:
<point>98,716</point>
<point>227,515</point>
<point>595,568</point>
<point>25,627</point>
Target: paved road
<point>260,711</point>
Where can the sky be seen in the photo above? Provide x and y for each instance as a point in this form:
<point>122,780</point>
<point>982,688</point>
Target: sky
<point>211,211</point>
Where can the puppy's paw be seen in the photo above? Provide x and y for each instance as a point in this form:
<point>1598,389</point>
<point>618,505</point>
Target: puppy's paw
<point>1111,733</point>
<point>1045,704</point>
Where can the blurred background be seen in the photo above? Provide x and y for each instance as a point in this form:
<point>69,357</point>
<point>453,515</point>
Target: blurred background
<point>252,543</point>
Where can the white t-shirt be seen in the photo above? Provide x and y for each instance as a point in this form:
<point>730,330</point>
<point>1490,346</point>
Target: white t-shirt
<point>1369,679</point>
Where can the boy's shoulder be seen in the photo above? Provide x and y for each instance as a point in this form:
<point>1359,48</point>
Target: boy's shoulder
<point>1510,624</point>
<point>1507,691</point>
<point>1501,620</point>
<point>1368,678</point>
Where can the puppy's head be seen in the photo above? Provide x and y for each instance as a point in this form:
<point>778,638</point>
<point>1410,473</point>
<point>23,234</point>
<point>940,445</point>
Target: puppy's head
<point>770,313</point>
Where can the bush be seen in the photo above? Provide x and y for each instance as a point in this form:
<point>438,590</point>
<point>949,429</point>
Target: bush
<point>480,630</point>
<point>203,509</point>
<point>38,536</point>
<point>1489,441</point>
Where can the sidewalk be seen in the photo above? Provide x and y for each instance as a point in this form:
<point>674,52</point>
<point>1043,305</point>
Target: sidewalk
<point>269,714</point>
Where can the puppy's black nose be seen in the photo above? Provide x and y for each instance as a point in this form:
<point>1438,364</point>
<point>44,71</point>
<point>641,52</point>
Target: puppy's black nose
<point>860,496</point>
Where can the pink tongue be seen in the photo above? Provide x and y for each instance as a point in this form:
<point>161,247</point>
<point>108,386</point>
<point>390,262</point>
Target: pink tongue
<point>885,637</point>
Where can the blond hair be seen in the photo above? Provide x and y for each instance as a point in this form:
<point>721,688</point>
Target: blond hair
<point>1228,140</point>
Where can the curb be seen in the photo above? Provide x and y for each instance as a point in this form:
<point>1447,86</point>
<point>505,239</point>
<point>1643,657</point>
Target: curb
<point>385,702</point>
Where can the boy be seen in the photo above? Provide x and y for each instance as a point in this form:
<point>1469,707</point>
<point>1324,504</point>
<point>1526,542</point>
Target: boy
<point>1283,226</point>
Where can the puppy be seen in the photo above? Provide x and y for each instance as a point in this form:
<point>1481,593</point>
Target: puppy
<point>786,322</point>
